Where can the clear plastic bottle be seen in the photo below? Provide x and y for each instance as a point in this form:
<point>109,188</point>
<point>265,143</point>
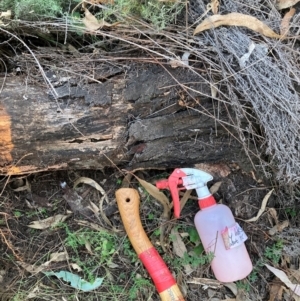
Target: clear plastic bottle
<point>217,228</point>
<point>228,265</point>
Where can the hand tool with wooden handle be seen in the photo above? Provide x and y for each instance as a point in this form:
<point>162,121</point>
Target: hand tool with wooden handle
<point>128,202</point>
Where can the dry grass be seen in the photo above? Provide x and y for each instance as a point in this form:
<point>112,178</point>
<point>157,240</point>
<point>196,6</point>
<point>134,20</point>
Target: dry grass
<point>262,92</point>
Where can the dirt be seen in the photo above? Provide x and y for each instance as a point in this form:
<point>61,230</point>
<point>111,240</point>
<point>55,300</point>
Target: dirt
<point>241,191</point>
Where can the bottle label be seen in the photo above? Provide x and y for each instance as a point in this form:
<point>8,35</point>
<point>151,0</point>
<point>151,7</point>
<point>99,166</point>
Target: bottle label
<point>233,236</point>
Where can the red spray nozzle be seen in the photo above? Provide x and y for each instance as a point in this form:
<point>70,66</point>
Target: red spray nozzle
<point>162,184</point>
<point>172,184</point>
<point>186,178</point>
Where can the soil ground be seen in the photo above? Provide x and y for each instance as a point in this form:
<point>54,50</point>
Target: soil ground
<point>124,276</point>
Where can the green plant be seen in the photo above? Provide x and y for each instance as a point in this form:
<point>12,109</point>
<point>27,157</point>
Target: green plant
<point>151,216</point>
<point>157,13</point>
<point>157,232</point>
<point>17,214</point>
<point>197,260</point>
<point>292,212</point>
<point>194,239</point>
<point>243,285</point>
<point>139,284</point>
<point>43,212</point>
<point>32,9</point>
<point>102,244</point>
<point>129,251</point>
<point>274,252</point>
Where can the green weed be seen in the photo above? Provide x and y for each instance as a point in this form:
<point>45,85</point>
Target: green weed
<point>157,13</point>
<point>274,252</point>
<point>151,216</point>
<point>292,212</point>
<point>39,212</point>
<point>196,256</point>
<point>196,261</point>
<point>32,9</point>
<point>17,214</point>
<point>102,244</point>
<point>243,285</point>
<point>139,284</point>
<point>129,251</point>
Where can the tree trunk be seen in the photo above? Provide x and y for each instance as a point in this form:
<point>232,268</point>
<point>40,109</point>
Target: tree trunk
<point>140,117</point>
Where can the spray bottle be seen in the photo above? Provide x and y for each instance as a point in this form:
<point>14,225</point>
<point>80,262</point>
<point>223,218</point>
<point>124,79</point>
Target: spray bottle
<point>217,228</point>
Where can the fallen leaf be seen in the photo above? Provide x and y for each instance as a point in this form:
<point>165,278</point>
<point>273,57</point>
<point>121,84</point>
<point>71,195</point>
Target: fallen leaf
<point>31,268</point>
<point>279,227</point>
<point>158,195</point>
<point>212,283</point>
<point>214,188</point>
<point>91,225</point>
<point>214,6</point>
<point>242,295</point>
<point>76,267</point>
<point>88,246</point>
<point>282,4</point>
<point>262,208</point>
<point>57,257</point>
<point>237,19</point>
<point>273,214</point>
<point>91,182</point>
<point>54,257</point>
<point>48,222</point>
<point>185,198</point>
<point>92,23</point>
<point>179,248</point>
<point>93,207</point>
<point>276,290</point>
<point>76,281</point>
<point>26,187</point>
<point>232,286</point>
<point>294,275</point>
<point>295,288</point>
<point>285,23</point>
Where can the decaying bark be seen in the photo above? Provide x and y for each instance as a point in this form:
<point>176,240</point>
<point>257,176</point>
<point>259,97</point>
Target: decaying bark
<point>139,117</point>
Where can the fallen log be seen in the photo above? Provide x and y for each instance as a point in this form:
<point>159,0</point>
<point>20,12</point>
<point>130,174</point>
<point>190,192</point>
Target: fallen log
<point>137,118</point>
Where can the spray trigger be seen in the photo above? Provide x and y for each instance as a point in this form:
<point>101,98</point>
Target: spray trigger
<point>185,178</point>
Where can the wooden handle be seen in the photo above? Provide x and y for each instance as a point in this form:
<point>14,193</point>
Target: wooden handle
<point>129,206</point>
<point>129,202</point>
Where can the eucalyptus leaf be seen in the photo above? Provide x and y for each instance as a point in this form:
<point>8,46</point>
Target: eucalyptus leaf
<point>76,281</point>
